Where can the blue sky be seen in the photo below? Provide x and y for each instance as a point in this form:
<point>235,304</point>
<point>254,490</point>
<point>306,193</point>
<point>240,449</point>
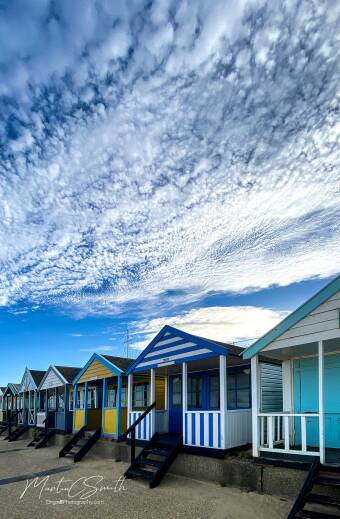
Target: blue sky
<point>165,161</point>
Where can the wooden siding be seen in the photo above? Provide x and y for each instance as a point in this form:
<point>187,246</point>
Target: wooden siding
<point>270,388</point>
<point>238,428</point>
<point>78,419</point>
<point>160,393</point>
<point>51,380</point>
<point>27,383</point>
<point>110,420</point>
<point>95,371</point>
<point>321,324</point>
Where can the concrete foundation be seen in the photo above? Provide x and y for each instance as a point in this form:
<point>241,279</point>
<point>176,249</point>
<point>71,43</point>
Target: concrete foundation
<point>228,471</point>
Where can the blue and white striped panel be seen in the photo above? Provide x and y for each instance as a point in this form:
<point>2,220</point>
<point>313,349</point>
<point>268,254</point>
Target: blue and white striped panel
<point>173,348</point>
<point>143,430</point>
<point>203,429</point>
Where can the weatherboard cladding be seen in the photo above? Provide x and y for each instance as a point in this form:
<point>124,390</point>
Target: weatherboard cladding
<point>314,319</point>
<point>52,379</point>
<point>173,346</point>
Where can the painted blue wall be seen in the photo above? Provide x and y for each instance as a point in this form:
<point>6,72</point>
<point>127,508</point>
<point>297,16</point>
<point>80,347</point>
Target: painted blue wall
<point>306,399</point>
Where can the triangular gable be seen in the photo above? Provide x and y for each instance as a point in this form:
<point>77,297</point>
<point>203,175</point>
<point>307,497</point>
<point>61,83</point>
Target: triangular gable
<point>173,346</point>
<point>52,378</point>
<point>300,313</point>
<point>27,382</point>
<point>10,390</point>
<point>97,363</point>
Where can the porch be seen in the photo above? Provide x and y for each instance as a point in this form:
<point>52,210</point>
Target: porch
<point>28,404</point>
<point>309,424</point>
<point>205,396</point>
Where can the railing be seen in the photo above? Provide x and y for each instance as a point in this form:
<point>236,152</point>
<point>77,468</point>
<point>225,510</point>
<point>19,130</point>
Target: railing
<point>131,431</point>
<point>202,429</point>
<point>31,417</point>
<point>283,432</point>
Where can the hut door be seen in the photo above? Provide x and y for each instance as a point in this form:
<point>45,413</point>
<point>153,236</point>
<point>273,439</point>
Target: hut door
<point>175,404</point>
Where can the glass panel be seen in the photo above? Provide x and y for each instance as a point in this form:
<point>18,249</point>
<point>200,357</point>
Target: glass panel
<point>195,384</point>
<point>123,397</point>
<point>92,398</point>
<point>243,399</point>
<point>60,402</point>
<point>231,385</point>
<point>70,405</point>
<point>140,395</point>
<point>214,396</point>
<point>51,399</point>
<point>111,396</point>
<point>176,392</point>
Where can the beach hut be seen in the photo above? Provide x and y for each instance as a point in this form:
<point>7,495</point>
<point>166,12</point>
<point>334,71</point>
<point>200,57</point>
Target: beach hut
<point>307,342</point>
<point>99,403</point>
<point>56,398</point>
<point>28,400</point>
<point>2,403</point>
<point>205,404</point>
<point>11,401</point>
<point>100,389</point>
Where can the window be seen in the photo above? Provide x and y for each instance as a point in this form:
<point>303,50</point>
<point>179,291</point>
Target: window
<point>140,395</point>
<point>80,399</point>
<point>60,399</point>
<point>123,397</point>
<point>70,405</point>
<point>195,385</point>
<point>111,396</point>
<point>92,398</point>
<point>42,400</point>
<point>176,392</point>
<point>238,391</point>
<point>51,399</point>
<point>214,392</point>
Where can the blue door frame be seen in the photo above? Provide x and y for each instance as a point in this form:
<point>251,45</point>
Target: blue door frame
<point>175,411</point>
<point>306,399</point>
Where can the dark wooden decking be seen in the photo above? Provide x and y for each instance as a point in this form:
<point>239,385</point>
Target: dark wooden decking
<point>332,458</point>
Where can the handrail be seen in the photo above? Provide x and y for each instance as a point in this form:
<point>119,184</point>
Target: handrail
<point>132,430</point>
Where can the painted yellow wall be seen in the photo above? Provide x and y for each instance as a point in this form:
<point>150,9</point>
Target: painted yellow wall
<point>110,421</point>
<point>160,393</point>
<point>78,419</point>
<point>95,371</point>
<point>94,418</point>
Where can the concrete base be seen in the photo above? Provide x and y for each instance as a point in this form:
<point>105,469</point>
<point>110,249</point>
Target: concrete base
<point>229,471</point>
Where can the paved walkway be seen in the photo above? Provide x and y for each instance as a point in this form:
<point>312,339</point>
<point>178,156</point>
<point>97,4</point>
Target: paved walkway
<point>37,484</point>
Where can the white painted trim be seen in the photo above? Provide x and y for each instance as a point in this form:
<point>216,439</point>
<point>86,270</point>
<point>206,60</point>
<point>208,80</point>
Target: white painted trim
<point>185,396</point>
<point>177,356</point>
<point>284,451</point>
<point>302,340</point>
<point>223,398</point>
<point>255,389</point>
<point>129,395</point>
<point>152,399</point>
<point>321,403</point>
<point>153,353</point>
<point>287,380</point>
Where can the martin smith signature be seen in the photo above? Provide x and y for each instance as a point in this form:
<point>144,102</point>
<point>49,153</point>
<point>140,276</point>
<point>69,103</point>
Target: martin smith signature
<point>82,488</point>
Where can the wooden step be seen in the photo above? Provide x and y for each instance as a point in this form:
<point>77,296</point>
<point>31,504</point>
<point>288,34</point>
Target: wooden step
<point>323,500</point>
<point>309,514</point>
<point>149,462</point>
<point>136,472</point>
<point>327,481</point>
<point>156,451</point>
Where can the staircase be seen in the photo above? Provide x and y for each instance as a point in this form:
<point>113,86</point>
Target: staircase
<point>21,429</point>
<point>318,503</point>
<point>80,443</point>
<point>3,428</point>
<point>155,459</point>
<point>41,437</point>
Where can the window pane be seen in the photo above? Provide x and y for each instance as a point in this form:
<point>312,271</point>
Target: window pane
<point>176,392</point>
<point>123,397</point>
<point>214,397</point>
<point>243,381</point>
<point>243,399</point>
<point>231,399</point>
<point>195,384</point>
<point>111,396</point>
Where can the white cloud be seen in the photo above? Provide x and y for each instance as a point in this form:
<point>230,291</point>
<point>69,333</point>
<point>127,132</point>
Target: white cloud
<point>164,155</point>
<point>98,349</point>
<point>240,324</point>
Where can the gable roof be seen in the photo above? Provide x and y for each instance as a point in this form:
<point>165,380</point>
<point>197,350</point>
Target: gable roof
<point>115,364</point>
<point>302,311</point>
<point>69,373</point>
<point>12,388</point>
<point>37,376</point>
<point>173,346</point>
<point>65,374</point>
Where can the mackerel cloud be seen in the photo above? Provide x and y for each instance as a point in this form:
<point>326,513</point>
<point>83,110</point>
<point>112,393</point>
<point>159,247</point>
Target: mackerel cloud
<point>166,148</point>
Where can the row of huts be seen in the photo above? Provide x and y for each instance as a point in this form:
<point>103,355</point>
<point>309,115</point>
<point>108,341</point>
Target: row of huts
<point>281,394</point>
